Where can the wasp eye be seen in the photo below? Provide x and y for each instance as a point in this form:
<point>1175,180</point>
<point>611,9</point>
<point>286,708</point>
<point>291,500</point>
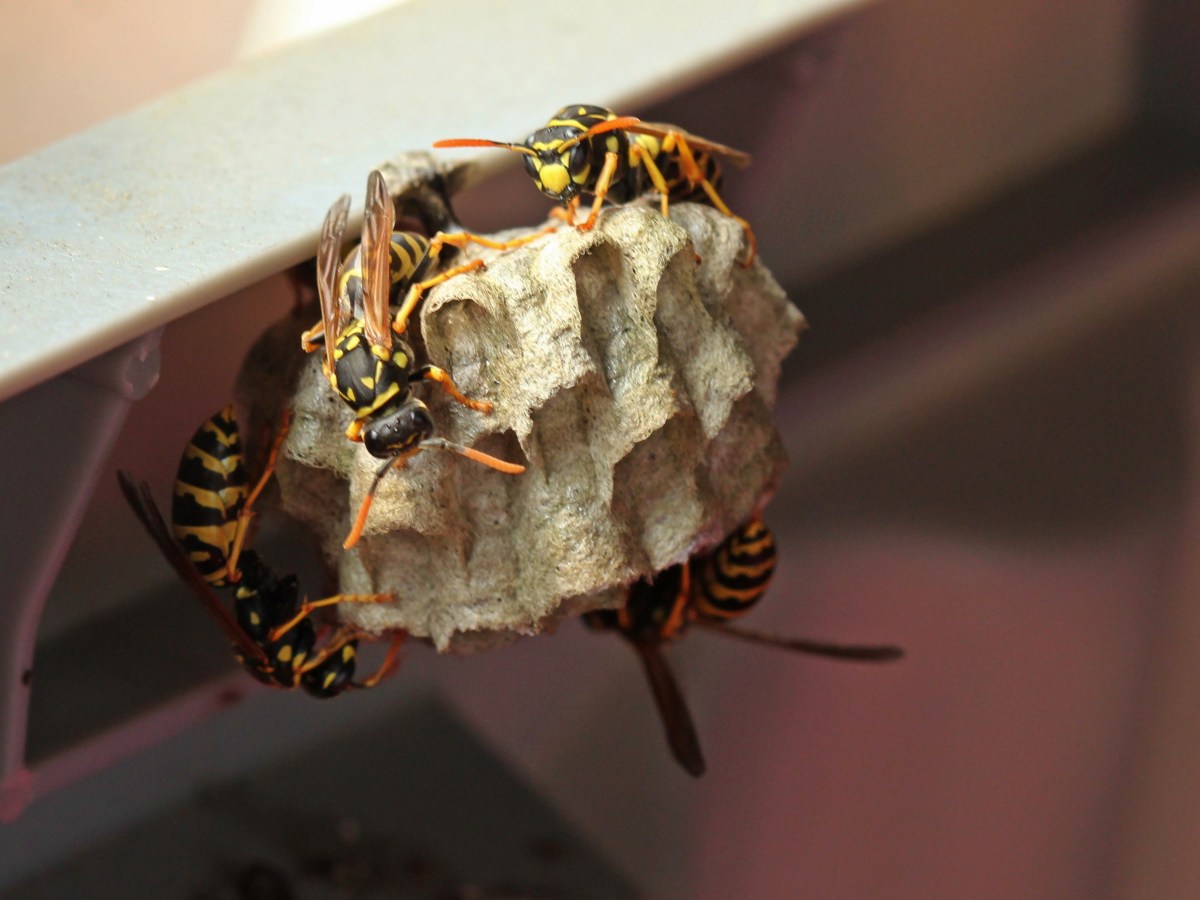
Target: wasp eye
<point>531,164</point>
<point>580,157</point>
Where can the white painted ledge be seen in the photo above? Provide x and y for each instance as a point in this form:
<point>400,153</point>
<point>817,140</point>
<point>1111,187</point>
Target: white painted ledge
<point>144,218</point>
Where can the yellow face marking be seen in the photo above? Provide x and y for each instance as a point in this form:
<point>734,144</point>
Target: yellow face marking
<point>285,653</point>
<point>555,178</point>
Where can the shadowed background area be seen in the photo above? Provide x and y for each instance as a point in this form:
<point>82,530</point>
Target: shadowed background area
<point>990,216</point>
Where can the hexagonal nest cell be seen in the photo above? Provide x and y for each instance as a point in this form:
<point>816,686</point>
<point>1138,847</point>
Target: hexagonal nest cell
<point>631,368</point>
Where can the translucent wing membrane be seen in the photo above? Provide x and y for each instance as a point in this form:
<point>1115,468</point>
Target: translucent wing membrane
<point>378,220</point>
<point>142,503</point>
<point>334,314</point>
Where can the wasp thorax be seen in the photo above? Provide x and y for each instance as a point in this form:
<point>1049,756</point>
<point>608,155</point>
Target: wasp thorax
<point>400,431</point>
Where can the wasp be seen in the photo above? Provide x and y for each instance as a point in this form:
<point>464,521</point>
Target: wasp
<point>412,257</point>
<point>367,364</point>
<point>709,590</point>
<point>587,149</point>
<point>270,627</point>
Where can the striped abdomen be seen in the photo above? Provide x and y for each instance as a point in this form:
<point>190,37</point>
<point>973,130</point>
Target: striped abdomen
<point>678,186</point>
<point>734,576</point>
<point>210,491</point>
<point>408,252</point>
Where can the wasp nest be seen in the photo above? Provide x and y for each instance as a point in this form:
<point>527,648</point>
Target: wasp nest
<point>632,369</point>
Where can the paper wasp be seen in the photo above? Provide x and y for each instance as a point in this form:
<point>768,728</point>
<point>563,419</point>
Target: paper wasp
<point>708,590</point>
<point>412,257</point>
<point>369,367</point>
<point>591,150</point>
<point>270,627</point>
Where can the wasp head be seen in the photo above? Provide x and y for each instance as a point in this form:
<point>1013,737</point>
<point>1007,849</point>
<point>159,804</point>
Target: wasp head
<point>560,161</point>
<point>400,431</point>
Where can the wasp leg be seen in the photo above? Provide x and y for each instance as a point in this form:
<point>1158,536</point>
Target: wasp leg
<point>460,240</point>
<point>751,241</point>
<point>340,639</point>
<point>567,213</point>
<point>600,190</point>
<point>656,175</point>
<point>442,377</point>
<point>695,176</point>
<point>389,665</point>
<point>246,515</point>
<point>308,338</point>
<point>417,290</point>
<point>310,606</point>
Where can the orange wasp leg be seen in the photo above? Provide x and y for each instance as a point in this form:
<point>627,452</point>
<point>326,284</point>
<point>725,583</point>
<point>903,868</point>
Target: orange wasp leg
<point>567,214</point>
<point>247,514</point>
<point>601,190</point>
<point>442,377</point>
<point>459,240</point>
<point>308,607</point>
<point>308,338</point>
<point>341,638</point>
<point>388,666</point>
<point>677,143</point>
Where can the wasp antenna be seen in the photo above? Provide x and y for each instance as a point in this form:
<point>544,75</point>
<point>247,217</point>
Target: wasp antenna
<point>478,456</point>
<point>610,125</point>
<point>479,142</point>
<point>364,508</point>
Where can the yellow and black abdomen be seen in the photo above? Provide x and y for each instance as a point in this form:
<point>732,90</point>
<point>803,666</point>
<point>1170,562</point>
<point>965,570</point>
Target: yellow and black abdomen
<point>731,579</point>
<point>210,491</point>
<point>679,187</point>
<point>409,262</point>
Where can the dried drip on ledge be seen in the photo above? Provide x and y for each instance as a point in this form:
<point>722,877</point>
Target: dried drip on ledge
<point>635,385</point>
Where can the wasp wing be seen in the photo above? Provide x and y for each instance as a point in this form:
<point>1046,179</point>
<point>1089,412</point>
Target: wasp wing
<point>335,312</point>
<point>378,221</point>
<point>850,652</point>
<point>681,733</point>
<point>661,131</point>
<point>142,503</point>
